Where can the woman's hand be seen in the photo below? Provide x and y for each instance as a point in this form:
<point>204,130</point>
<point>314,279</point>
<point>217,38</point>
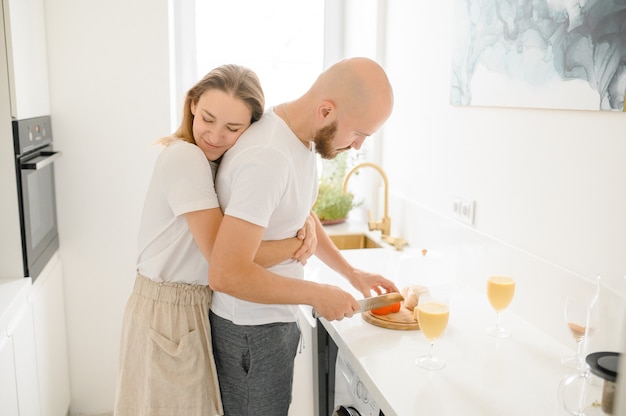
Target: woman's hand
<point>309,241</point>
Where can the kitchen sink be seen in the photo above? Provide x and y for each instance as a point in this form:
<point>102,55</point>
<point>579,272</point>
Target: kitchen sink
<point>353,241</point>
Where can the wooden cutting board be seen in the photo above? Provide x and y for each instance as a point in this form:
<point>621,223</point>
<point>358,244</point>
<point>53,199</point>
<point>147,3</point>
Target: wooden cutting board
<point>402,320</point>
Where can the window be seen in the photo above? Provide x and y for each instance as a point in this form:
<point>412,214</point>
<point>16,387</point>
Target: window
<point>281,40</point>
<point>287,43</point>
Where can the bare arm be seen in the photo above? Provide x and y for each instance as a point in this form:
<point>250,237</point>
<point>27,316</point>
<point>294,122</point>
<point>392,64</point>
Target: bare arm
<point>204,224</point>
<point>233,271</point>
<point>277,251</point>
<point>301,247</point>
<point>363,281</point>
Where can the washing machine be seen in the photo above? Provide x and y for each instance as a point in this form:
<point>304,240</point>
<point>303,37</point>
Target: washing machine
<point>352,397</point>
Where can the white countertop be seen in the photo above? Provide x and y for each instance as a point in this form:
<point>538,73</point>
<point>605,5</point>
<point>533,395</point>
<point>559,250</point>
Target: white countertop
<point>483,376</point>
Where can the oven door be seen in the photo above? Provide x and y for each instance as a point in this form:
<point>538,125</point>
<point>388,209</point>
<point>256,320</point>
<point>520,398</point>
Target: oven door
<point>38,209</point>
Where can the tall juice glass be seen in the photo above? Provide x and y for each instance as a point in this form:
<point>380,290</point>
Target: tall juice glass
<point>432,315</point>
<point>500,291</point>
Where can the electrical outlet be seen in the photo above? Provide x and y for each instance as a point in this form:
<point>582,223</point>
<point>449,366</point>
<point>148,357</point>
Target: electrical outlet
<point>464,209</point>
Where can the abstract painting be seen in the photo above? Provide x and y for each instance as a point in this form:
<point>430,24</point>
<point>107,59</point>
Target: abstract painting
<point>560,54</point>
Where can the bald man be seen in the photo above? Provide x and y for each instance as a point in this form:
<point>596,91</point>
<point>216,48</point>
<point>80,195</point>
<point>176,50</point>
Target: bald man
<point>267,185</point>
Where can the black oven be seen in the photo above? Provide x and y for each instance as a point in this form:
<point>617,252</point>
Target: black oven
<point>34,157</point>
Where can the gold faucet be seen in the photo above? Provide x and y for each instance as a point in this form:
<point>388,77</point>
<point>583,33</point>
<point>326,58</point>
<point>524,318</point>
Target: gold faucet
<point>384,225</point>
<point>397,242</point>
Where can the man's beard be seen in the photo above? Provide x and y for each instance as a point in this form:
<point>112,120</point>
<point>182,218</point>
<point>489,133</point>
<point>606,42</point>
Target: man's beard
<point>323,139</point>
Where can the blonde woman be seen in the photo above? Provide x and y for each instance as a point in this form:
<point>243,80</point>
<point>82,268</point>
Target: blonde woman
<point>166,359</point>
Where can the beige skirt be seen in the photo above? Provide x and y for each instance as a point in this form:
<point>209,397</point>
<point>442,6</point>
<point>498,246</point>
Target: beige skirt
<point>166,359</point>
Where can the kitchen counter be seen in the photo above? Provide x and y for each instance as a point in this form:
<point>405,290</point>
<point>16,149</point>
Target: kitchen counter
<point>483,376</point>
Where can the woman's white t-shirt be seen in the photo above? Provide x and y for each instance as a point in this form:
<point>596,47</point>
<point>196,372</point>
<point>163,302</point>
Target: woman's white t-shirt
<point>182,182</point>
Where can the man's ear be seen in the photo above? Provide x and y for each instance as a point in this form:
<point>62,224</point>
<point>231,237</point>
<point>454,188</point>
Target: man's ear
<point>325,109</point>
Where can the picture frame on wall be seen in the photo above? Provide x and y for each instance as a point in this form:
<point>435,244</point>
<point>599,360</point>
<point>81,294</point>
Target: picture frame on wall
<point>551,54</point>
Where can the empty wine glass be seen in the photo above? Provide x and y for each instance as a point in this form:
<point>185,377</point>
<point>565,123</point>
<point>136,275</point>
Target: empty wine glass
<point>580,316</point>
<point>500,291</point>
<point>432,315</point>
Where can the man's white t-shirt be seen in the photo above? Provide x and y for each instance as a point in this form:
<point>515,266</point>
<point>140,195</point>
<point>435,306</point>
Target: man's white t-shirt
<point>182,182</point>
<point>268,178</point>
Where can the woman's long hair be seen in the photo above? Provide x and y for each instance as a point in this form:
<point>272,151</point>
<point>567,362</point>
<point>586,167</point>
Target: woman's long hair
<point>237,80</point>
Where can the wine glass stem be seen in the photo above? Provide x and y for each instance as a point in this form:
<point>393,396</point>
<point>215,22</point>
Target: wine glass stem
<point>579,351</point>
<point>498,321</point>
<point>583,397</point>
<point>432,345</point>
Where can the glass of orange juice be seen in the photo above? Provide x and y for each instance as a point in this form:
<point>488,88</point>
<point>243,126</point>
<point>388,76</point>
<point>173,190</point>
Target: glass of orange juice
<point>432,316</point>
<point>500,291</point>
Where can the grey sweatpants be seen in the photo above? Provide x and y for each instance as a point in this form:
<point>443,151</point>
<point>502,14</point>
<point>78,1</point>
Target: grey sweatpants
<point>254,366</point>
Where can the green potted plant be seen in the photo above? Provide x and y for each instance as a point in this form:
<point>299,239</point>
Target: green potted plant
<point>332,205</point>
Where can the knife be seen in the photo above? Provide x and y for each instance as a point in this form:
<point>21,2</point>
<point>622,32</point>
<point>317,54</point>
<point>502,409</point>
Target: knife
<point>368,304</point>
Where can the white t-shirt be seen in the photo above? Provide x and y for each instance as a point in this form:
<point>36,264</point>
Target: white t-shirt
<point>268,178</point>
<point>182,182</point>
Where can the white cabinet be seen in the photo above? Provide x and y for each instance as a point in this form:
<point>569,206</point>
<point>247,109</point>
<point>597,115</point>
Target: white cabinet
<point>303,391</point>
<point>10,237</point>
<point>22,333</point>
<point>27,58</point>
<point>19,394</point>
<point>8,385</point>
<point>51,340</point>
<point>34,372</point>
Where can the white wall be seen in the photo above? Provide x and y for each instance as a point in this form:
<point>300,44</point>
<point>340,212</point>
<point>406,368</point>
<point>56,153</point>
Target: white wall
<point>549,210</point>
<point>109,76</point>
<point>548,184</point>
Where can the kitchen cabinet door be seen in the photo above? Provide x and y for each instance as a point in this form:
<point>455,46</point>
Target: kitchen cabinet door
<point>22,333</point>
<point>8,385</point>
<point>10,237</point>
<point>302,396</point>
<point>27,55</point>
<point>51,340</point>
